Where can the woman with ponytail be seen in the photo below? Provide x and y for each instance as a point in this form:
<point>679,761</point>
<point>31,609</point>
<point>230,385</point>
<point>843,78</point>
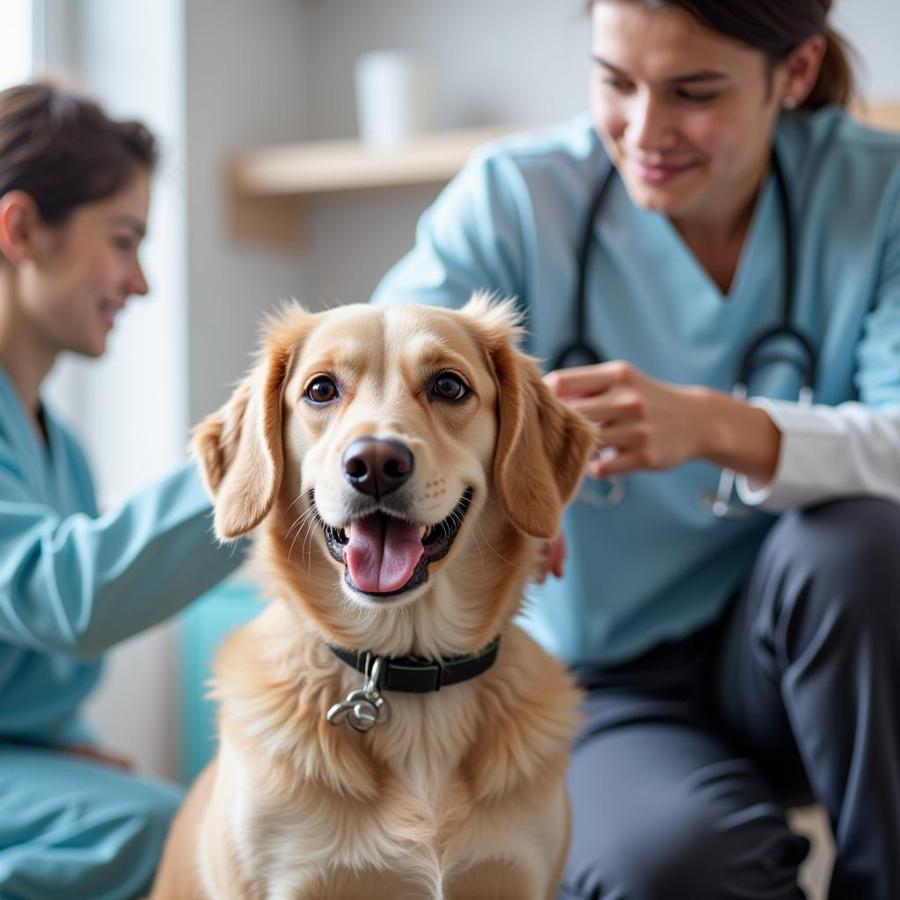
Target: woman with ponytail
<point>710,265</point>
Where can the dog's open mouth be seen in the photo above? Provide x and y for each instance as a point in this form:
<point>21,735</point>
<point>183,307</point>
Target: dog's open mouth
<point>384,556</point>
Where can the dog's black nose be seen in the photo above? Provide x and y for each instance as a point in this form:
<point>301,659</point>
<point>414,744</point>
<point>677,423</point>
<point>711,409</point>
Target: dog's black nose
<point>376,467</point>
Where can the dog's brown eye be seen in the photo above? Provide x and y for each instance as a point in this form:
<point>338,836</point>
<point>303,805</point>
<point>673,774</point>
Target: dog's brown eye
<point>448,386</point>
<point>321,390</point>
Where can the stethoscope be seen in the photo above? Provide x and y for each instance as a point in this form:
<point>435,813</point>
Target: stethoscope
<point>764,349</point>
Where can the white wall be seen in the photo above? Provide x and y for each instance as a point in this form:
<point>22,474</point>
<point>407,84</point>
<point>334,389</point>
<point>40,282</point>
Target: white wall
<point>130,408</point>
<point>140,379</point>
<point>513,61</point>
<point>505,60</point>
<point>16,41</point>
<point>245,84</point>
<point>873,28</point>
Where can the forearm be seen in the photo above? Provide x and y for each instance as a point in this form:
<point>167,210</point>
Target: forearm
<point>735,435</point>
<point>79,584</point>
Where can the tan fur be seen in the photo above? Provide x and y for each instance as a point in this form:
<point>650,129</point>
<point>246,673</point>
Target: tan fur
<point>460,795</point>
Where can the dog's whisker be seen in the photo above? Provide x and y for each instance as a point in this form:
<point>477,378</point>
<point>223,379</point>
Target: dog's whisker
<point>303,532</point>
<point>478,543</point>
<point>492,548</point>
<point>296,523</point>
<point>289,534</point>
<point>293,541</point>
<point>310,531</point>
<point>307,555</point>
<point>300,523</point>
<point>303,517</point>
<point>309,527</point>
<point>496,504</point>
<point>291,549</point>
<point>306,516</point>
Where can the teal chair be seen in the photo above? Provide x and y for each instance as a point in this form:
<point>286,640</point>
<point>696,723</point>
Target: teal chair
<point>204,626</point>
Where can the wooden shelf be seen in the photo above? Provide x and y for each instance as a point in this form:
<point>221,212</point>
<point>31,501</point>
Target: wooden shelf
<point>269,185</point>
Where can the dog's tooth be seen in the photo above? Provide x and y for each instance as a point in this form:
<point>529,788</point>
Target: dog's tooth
<point>423,530</point>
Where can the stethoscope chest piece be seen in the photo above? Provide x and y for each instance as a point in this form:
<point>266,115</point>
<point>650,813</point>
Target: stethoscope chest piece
<point>719,502</point>
<point>602,493</point>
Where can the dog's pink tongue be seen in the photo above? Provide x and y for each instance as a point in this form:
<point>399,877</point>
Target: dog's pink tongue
<point>382,553</point>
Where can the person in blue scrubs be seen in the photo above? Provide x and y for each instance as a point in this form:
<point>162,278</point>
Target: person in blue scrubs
<point>734,664</point>
<point>75,823</point>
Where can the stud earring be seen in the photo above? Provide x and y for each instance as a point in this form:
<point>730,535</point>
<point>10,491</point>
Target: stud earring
<point>789,102</point>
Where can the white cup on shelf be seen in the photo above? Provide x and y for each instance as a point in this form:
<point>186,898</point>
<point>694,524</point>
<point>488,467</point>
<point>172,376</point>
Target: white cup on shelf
<point>394,97</point>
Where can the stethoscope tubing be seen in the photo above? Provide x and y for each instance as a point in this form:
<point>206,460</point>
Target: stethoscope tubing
<point>758,353</point>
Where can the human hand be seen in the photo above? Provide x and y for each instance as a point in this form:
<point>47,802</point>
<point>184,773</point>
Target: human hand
<point>642,423</point>
<point>551,557</point>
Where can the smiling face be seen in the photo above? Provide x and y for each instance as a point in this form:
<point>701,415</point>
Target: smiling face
<point>83,271</point>
<point>393,417</point>
<point>401,459</point>
<point>686,114</point>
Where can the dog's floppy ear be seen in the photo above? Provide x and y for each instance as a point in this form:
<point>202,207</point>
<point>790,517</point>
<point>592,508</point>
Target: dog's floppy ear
<point>239,447</point>
<point>542,445</point>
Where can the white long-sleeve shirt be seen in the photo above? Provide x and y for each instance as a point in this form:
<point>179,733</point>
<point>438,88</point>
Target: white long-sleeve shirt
<point>829,452</point>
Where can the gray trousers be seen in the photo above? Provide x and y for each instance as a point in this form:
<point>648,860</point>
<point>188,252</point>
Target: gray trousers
<point>680,778</point>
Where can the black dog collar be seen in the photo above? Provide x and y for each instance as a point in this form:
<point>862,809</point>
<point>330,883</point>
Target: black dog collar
<point>414,675</point>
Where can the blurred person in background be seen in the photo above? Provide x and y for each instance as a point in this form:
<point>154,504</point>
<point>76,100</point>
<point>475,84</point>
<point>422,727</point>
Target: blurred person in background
<point>75,823</point>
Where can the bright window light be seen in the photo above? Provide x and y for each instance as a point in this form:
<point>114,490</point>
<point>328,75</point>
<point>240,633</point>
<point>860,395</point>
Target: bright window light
<point>16,57</point>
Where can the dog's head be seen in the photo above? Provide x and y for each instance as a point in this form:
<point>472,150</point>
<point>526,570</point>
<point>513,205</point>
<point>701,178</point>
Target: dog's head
<point>405,454</point>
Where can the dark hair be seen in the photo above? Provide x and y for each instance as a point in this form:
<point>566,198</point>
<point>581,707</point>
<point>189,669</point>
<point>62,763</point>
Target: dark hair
<point>776,27</point>
<point>64,151</point>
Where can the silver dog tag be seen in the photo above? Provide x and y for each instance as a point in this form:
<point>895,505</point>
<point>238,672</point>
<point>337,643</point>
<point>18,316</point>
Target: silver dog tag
<point>362,708</point>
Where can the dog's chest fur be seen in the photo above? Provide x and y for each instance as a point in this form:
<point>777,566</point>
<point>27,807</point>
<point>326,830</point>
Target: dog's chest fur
<point>419,797</point>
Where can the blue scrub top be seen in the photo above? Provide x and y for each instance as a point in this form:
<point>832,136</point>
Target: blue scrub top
<point>660,565</point>
<point>73,582</point>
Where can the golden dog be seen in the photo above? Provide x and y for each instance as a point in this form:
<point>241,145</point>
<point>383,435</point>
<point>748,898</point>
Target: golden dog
<point>402,463</point>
